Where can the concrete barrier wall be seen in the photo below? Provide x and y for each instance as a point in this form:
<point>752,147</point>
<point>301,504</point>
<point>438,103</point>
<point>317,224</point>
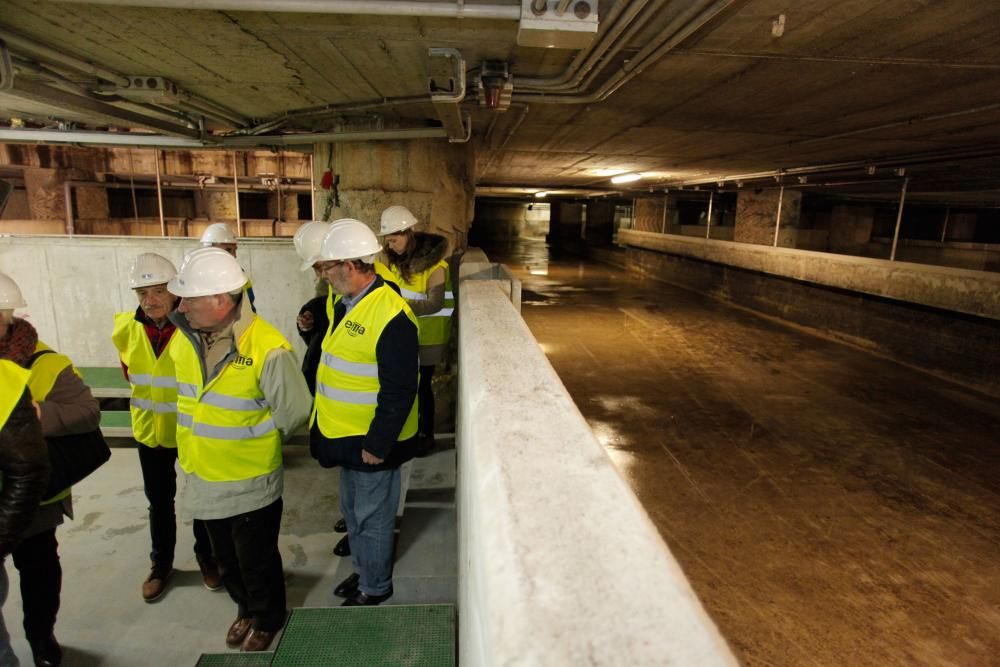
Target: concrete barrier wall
<point>75,285</point>
<point>559,563</point>
<point>960,290</point>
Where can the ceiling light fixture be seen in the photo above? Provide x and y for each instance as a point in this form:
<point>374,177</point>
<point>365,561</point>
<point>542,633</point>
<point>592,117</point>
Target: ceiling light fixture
<point>625,178</point>
<point>541,194</point>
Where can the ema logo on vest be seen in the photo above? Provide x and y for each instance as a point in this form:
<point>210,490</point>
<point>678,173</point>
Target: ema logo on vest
<point>241,362</point>
<point>353,328</point>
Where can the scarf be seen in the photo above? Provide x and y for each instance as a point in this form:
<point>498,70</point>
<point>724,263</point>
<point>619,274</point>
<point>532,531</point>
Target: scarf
<point>19,343</point>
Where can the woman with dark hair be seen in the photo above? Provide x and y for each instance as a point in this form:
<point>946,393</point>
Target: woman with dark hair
<point>65,407</point>
<point>417,264</point>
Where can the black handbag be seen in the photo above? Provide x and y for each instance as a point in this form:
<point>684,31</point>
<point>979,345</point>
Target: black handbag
<point>72,457</point>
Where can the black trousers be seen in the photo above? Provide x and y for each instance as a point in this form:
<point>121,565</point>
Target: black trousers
<point>159,477</point>
<point>425,402</point>
<point>37,560</point>
<point>246,548</point>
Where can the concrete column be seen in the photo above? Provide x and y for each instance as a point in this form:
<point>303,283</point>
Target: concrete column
<point>851,228</point>
<point>565,222</point>
<point>46,198</point>
<point>432,178</point>
<point>221,205</point>
<point>600,223</point>
<point>756,212</point>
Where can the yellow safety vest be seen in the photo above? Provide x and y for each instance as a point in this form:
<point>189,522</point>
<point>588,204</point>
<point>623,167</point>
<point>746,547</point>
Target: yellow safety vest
<point>347,383</point>
<point>434,328</point>
<point>154,388</point>
<point>225,432</point>
<point>44,372</point>
<point>13,381</point>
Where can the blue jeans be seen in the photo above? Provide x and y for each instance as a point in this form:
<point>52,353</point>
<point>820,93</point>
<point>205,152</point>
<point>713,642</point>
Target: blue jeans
<point>368,502</point>
<point>7,657</point>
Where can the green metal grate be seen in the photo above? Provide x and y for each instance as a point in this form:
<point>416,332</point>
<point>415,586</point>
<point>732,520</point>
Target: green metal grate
<point>116,419</point>
<point>403,636</point>
<point>235,659</point>
<point>103,377</point>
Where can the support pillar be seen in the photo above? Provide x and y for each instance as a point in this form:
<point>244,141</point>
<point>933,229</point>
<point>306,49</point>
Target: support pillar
<point>757,213</point>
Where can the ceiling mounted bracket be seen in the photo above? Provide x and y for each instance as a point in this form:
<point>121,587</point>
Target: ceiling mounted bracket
<point>446,99</point>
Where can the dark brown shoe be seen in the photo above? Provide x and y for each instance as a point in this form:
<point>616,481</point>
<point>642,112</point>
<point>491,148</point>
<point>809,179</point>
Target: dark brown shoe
<point>47,652</point>
<point>156,583</point>
<point>210,576</point>
<point>258,640</point>
<point>238,631</point>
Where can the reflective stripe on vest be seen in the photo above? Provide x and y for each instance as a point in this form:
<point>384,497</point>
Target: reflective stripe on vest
<point>347,383</point>
<point>224,428</point>
<point>153,405</point>
<point>45,371</point>
<point>434,328</point>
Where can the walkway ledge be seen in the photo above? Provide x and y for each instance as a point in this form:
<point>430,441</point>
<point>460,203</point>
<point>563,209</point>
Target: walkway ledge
<point>559,563</point>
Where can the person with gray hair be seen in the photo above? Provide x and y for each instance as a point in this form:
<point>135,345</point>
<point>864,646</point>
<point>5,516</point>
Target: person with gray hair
<point>239,396</point>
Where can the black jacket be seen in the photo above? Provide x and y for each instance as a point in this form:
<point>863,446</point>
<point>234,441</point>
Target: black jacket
<point>24,467</point>
<point>313,339</point>
<point>396,352</point>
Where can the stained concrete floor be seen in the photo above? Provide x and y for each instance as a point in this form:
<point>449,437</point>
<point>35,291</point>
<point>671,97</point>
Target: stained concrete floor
<point>830,507</point>
<point>104,552</point>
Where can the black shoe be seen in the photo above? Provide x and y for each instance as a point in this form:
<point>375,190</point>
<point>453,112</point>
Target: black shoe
<point>340,526</point>
<point>47,652</point>
<point>348,587</point>
<point>361,599</point>
<point>343,547</point>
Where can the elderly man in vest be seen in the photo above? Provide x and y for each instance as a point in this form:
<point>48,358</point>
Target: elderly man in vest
<point>239,395</point>
<point>142,337</point>
<point>365,417</point>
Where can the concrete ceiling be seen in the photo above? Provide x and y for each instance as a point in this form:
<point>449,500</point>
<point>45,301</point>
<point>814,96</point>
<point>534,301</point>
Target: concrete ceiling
<point>848,91</point>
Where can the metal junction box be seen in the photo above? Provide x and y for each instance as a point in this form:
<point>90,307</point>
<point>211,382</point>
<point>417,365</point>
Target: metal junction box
<point>574,28</point>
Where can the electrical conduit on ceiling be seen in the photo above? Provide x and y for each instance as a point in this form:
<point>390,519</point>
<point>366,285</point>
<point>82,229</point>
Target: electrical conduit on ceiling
<point>508,12</point>
<point>675,33</point>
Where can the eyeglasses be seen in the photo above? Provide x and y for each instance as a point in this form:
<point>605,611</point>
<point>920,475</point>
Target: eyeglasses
<point>323,267</point>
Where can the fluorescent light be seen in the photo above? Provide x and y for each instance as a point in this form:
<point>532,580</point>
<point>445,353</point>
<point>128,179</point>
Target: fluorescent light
<point>541,194</point>
<point>626,178</point>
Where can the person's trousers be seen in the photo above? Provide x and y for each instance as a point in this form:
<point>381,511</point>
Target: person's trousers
<point>37,560</point>
<point>159,477</point>
<point>7,656</point>
<point>246,548</point>
<point>368,502</point>
<point>425,402</point>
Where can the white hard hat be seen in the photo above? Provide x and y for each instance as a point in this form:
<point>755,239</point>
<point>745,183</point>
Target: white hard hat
<point>396,219</point>
<point>207,271</point>
<point>349,239</point>
<point>308,239</point>
<point>10,294</point>
<point>217,232</point>
<point>150,269</point>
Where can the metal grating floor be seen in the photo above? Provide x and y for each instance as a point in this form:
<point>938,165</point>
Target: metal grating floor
<point>405,635</point>
<point>235,659</point>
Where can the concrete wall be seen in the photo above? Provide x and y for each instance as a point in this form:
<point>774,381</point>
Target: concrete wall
<point>942,319</point>
<point>432,178</point>
<point>559,563</point>
<point>75,285</point>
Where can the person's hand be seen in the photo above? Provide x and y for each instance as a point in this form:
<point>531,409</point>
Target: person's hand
<point>305,321</point>
<point>38,409</point>
<point>370,459</point>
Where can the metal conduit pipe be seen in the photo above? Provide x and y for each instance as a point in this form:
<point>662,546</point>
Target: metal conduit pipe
<point>309,138</point>
<point>650,54</point>
<point>21,42</point>
<point>168,184</point>
<point>85,67</point>
<point>458,9</point>
<point>225,119</point>
<point>613,24</point>
<point>332,109</point>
